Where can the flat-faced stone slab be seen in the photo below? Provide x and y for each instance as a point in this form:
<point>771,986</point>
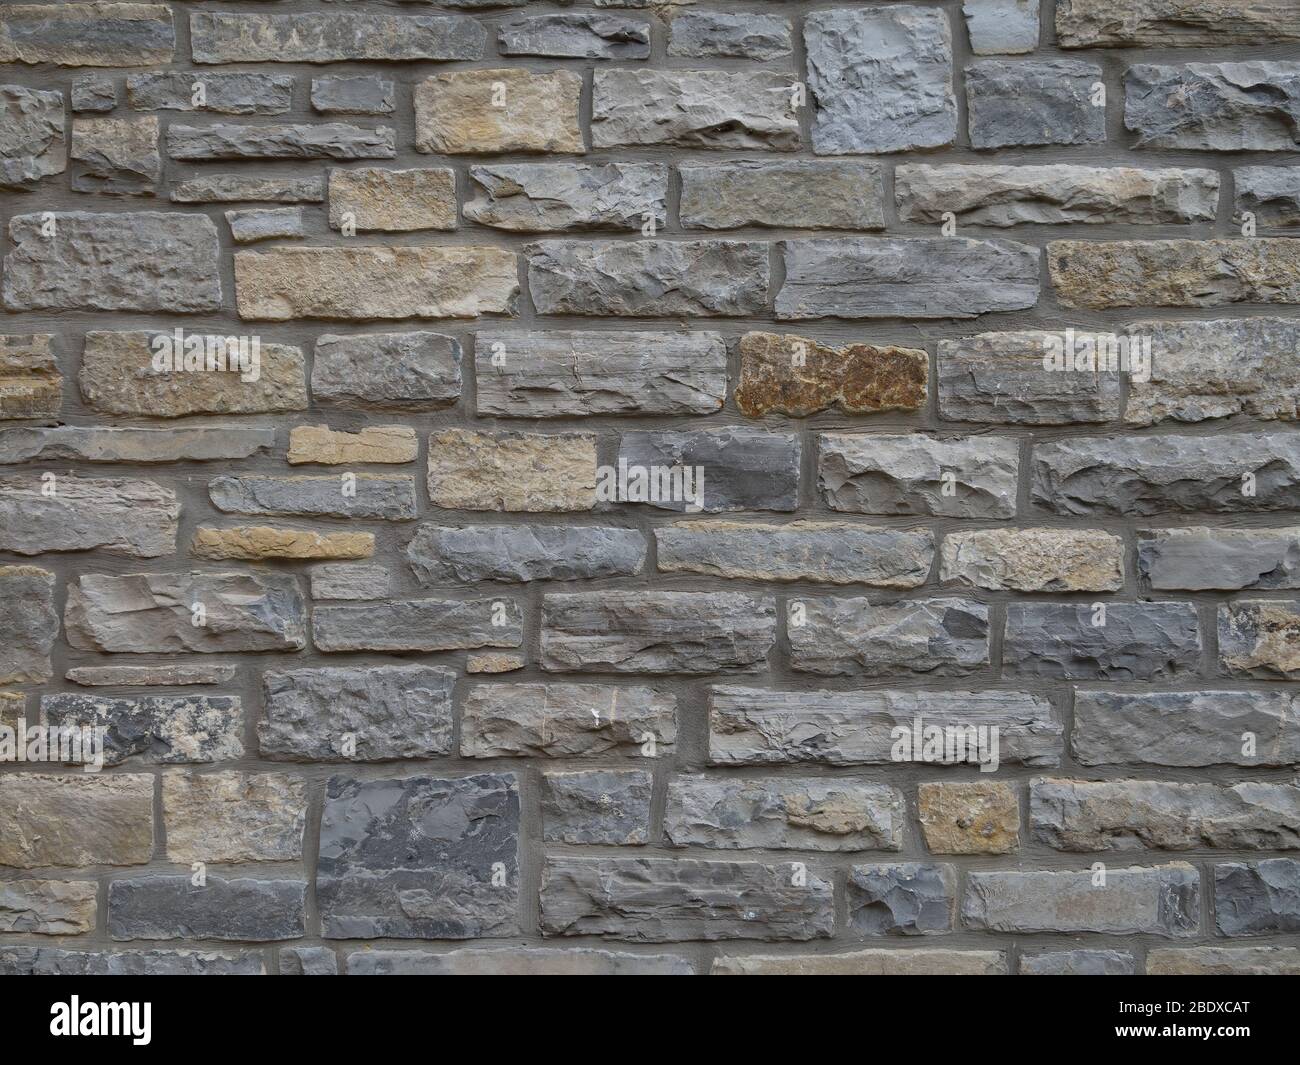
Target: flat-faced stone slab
<point>333,37</point>
<point>441,554</point>
<point>577,35</point>
<point>889,962</point>
<point>88,443</point>
<point>399,371</point>
<point>486,111</point>
<point>348,495</point>
<point>87,35</point>
<point>77,820</point>
<point>797,193</point>
<point>547,197</point>
<point>324,140</point>
<point>29,624</point>
<point>134,518</point>
<point>1226,107</point>
<point>156,729</point>
<point>30,383</point>
<point>394,201</point>
<point>47,907</point>
<point>32,144</point>
<point>418,625</point>
<point>1270,193</point>
<point>503,470</point>
<point>48,961</point>
<point>233,817</point>
<point>515,961</point>
<point>1173,23</point>
<point>1200,558</point>
<point>1119,641</point>
<point>608,806</point>
<point>243,93</point>
<point>172,907</point>
<point>1034,560</point>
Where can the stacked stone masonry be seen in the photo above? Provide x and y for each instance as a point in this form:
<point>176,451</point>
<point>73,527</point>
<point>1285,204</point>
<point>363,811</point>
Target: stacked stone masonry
<point>503,479</point>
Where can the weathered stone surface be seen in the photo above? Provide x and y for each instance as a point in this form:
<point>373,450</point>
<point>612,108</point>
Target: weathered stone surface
<point>87,35</point>
<point>348,495</point>
<point>154,612</point>
<point>566,721</point>
<point>545,197</point>
<point>171,907</point>
<point>233,188</point>
<point>1270,193</point>
<point>562,373</point>
<point>733,109</point>
<point>1054,194</point>
<point>233,817</point>
<point>835,552</point>
<point>244,93</point>
<point>1195,728</point>
<point>902,899</point>
<point>969,817</point>
<point>76,820</point>
<point>30,383</point>
<point>118,377</point>
<point>257,542</point>
<point>441,554</point>
<point>1034,560</point>
<point>29,624</point>
<point>494,661</point>
<point>504,470</point>
<point>880,474</point>
<point>1159,900</point>
<point>722,34</point>
<point>156,729</point>
<point>656,632</point>
<point>1173,23</point>
<point>333,37</point>
<point>1246,106</point>
<point>1080,963</point>
<point>1029,102</point>
<point>1156,474</point>
<point>105,444</point>
<point>803,194</point>
<point>575,36</point>
<point>373,444</point>
<point>1224,961</point>
<point>880,79</point>
<point>514,961</point>
<point>597,806</point>
<point>400,371</point>
<point>656,900</point>
<point>47,907</point>
<point>1078,815</point>
<point>356,713</point>
<point>795,376</point>
<point>854,637</point>
<point>31,133</point>
<point>455,112</point>
<point>93,93</point>
<point>308,961</point>
<point>1001,27</point>
<point>361,94</point>
<point>1257,898</point>
<point>1260,638</point>
<point>345,580</point>
<point>419,858</point>
<point>117,516</point>
<point>324,140</point>
<point>47,961</point>
<point>892,962</point>
<point>1205,559</point>
<point>735,468</point>
<point>395,201</point>
<point>906,277</point>
<point>418,625</point>
<point>165,676</point>
<point>788,813</point>
<point>752,726</point>
<point>125,261</point>
<point>427,281</point>
<point>648,278</point>
<point>1124,641</point>
<point>247,227</point>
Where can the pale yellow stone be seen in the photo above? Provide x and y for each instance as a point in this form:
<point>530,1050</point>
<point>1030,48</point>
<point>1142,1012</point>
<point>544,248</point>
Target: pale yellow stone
<point>1034,560</point>
<point>471,470</point>
<point>493,662</point>
<point>969,817</point>
<point>233,817</point>
<point>394,201</point>
<point>498,111</point>
<point>252,542</point>
<point>375,444</point>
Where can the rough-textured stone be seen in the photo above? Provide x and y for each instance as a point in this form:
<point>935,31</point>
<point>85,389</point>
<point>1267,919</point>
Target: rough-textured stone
<point>93,93</point>
<point>396,201</point>
<point>325,140</point>
<point>308,961</point>
<point>233,817</point>
<point>390,444</point>
<point>47,961</point>
<point>30,383</point>
<point>235,188</point>
<point>726,35</point>
<point>144,613</point>
<point>902,899</point>
<point>441,554</point>
<point>1205,559</point>
<point>1270,193</point>
<point>399,371</point>
<point>1119,641</point>
<point>164,676</point>
<point>419,858</point>
<point>31,134</point>
<point>833,552</point>
<point>1031,102</point>
<point>567,721</point>
<point>78,820</point>
<point>361,94</point>
<point>425,281</point>
<point>575,36</point>
<point>253,543</point>
<point>1079,963</point>
<point>656,900</point>
<point>752,726</point>
<point>356,713</point>
<point>1034,560</point>
<point>514,961</point>
<point>418,625</point>
<point>853,637</point>
<point>906,277</point>
<point>1257,898</point>
<point>1260,638</point>
<point>880,79</point>
<point>1193,728</point>
<point>118,516</point>
<point>648,278</point>
<point>1173,23</point>
<point>494,661</point>
<point>87,35</point>
<point>597,806</point>
<point>332,37</point>
<point>47,907</point>
<point>546,197</point>
<point>171,907</point>
<point>156,729</point>
<point>125,261</point>
<point>563,373</point>
<point>104,444</point>
<point>733,109</point>
<point>455,113</point>
<point>1001,27</point>
<point>803,194</point>
<point>345,580</point>
<point>893,962</point>
<point>244,93</point>
<point>656,632</point>
<point>347,495</point>
<point>1244,106</point>
<point>969,817</point>
<point>29,624</point>
<point>1161,900</point>
<point>881,474</point>
<point>503,470</point>
<point>786,814</point>
<point>1224,961</point>
<point>248,227</point>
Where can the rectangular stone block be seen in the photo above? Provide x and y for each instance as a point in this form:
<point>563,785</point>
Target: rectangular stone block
<point>969,817</point>
<point>77,443</point>
<point>1033,102</point>
<point>803,194</point>
<point>575,36</point>
<point>87,35</point>
<point>47,961</point>
<point>29,624</point>
<point>34,144</point>
<point>902,899</point>
<point>1226,107</point>
<point>244,93</point>
<point>333,37</point>
<point>608,806</point>
<point>1079,963</point>
<point>134,518</point>
<point>156,729</point>
<point>1173,23</point>
<point>343,580</point>
<point>254,543</point>
<point>503,470</point>
<point>1257,898</point>
<point>248,227</point>
<point>171,907</point>
<point>401,371</point>
<point>1106,641</point>
<point>363,94</point>
<point>441,554</point>
<point>75,821</point>
<point>1200,558</point>
<point>548,197</point>
<point>1270,193</point>
<point>1260,638</point>
<point>418,625</point>
<point>159,676</point>
<point>514,961</point>
<point>318,444</point>
<point>349,495</point>
<point>724,35</point>
<point>487,111</point>
<point>47,907</point>
<point>393,201</point>
<point>1034,560</point>
<point>234,188</point>
<point>888,962</point>
<point>30,383</point>
<point>233,817</point>
<point>1224,961</point>
<point>325,140</point>
<point>115,156</point>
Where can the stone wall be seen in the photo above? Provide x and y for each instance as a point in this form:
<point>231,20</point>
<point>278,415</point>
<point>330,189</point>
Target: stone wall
<point>339,338</point>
